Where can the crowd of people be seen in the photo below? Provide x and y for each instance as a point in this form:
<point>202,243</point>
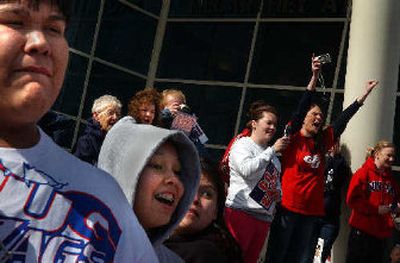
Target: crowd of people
<point>141,188</point>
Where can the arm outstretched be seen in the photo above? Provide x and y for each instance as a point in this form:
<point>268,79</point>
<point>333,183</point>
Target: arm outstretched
<point>339,125</point>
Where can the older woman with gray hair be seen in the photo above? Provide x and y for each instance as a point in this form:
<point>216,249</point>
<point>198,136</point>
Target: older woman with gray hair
<point>106,111</point>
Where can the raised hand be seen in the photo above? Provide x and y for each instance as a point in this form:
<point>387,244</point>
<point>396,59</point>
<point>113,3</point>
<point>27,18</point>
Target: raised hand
<point>315,65</point>
<point>369,86</point>
<point>315,68</point>
<point>173,108</point>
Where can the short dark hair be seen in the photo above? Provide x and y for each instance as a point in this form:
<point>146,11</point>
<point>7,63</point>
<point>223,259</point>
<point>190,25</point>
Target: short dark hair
<point>257,109</point>
<point>209,169</point>
<point>64,6</point>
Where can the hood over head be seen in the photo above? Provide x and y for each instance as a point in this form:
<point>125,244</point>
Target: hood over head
<point>128,147</point>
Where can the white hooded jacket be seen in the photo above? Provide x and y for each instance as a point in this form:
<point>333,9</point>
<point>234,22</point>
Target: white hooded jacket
<point>126,150</point>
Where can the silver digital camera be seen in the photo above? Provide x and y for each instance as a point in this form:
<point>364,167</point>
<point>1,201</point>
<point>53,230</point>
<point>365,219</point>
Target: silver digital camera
<point>324,58</point>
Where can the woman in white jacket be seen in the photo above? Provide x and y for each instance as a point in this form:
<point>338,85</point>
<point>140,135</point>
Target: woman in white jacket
<point>254,184</point>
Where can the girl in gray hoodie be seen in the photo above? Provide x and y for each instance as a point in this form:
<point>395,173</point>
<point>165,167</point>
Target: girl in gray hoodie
<point>158,171</point>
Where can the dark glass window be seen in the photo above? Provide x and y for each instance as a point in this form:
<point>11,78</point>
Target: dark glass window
<point>154,6</point>
<point>83,22</point>
<point>337,106</point>
<point>126,37</point>
<point>283,52</point>
<point>216,108</point>
<point>106,80</point>
<point>206,51</point>
<point>70,96</point>
<point>215,8</point>
<point>65,136</point>
<point>305,8</point>
<point>215,154</point>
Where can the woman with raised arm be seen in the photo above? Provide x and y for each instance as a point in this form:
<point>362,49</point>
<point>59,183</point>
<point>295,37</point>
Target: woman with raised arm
<point>303,174</point>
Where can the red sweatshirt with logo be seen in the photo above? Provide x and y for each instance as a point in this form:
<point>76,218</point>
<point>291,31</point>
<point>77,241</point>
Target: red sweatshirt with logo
<point>303,160</point>
<point>303,176</point>
<point>369,189</point>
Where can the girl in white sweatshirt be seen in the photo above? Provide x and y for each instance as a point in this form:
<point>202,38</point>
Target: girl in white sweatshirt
<point>254,184</point>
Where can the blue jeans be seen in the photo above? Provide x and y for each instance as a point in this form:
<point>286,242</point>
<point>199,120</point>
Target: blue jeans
<point>327,229</point>
<point>291,238</point>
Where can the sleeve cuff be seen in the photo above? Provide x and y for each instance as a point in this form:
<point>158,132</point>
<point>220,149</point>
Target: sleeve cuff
<point>268,153</point>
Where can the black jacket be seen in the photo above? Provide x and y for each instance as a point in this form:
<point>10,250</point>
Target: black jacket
<point>207,246</point>
<point>59,127</point>
<point>89,144</point>
<point>337,172</point>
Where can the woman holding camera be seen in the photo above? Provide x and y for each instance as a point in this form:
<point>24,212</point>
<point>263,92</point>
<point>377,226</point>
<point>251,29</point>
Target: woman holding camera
<point>303,175</point>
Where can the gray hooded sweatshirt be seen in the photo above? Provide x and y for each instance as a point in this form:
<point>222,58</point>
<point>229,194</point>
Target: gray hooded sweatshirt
<point>126,150</point>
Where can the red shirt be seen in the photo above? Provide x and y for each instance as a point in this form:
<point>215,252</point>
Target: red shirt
<point>368,190</point>
<point>303,173</point>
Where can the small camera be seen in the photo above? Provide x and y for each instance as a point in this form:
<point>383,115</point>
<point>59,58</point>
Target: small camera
<point>324,58</point>
<point>185,108</point>
<point>287,131</point>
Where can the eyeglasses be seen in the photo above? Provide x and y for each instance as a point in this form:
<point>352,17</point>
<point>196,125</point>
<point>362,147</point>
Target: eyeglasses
<point>111,112</point>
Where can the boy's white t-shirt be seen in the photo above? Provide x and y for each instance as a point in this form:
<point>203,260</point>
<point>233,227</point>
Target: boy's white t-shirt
<point>56,208</point>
